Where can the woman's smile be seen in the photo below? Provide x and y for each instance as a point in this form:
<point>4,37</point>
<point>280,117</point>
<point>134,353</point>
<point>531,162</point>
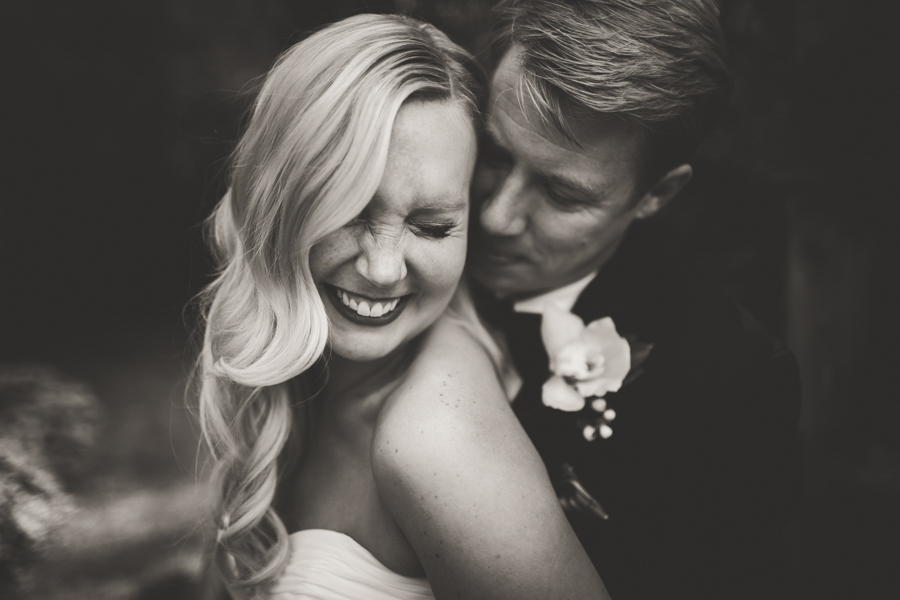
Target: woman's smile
<point>364,310</point>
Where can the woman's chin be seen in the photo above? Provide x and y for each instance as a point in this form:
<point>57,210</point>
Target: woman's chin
<point>361,353</point>
<point>364,344</point>
<point>359,343</point>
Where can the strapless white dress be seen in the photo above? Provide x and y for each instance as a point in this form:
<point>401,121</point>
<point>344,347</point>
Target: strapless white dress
<point>329,565</point>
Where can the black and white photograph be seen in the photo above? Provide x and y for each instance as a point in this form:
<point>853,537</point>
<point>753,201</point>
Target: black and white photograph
<point>450,299</point>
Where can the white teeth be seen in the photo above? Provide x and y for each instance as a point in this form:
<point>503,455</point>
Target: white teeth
<point>364,308</point>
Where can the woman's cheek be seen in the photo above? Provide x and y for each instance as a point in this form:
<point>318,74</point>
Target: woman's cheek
<point>328,253</point>
<point>441,264</point>
<point>454,262</point>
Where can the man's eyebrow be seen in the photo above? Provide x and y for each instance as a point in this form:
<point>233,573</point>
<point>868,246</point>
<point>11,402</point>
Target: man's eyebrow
<point>574,185</point>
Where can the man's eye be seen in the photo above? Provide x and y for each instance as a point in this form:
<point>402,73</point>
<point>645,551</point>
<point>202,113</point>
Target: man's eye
<point>435,231</point>
<point>564,201</point>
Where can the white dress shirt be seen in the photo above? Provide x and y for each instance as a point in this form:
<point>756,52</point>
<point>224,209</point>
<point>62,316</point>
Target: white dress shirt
<point>563,297</point>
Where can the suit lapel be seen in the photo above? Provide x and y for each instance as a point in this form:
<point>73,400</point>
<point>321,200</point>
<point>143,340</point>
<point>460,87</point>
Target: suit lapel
<point>622,290</point>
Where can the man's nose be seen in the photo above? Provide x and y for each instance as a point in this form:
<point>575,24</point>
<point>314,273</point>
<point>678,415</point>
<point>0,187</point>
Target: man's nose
<point>504,211</point>
<point>382,260</point>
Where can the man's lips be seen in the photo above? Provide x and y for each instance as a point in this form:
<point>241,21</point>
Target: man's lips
<point>502,258</point>
<point>499,250</point>
<point>498,256</point>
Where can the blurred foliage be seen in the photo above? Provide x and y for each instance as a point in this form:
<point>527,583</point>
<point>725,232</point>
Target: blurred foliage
<point>48,427</point>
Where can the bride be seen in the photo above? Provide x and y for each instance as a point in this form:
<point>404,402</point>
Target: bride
<point>362,442</point>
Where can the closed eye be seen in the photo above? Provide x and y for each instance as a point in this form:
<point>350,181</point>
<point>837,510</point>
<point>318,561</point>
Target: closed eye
<point>565,199</point>
<point>434,231</point>
<point>361,219</point>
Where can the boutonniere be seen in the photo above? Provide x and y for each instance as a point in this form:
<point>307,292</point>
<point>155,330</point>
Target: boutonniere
<point>587,362</point>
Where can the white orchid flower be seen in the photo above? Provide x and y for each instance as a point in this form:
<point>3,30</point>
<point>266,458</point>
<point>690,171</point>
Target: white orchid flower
<point>587,361</point>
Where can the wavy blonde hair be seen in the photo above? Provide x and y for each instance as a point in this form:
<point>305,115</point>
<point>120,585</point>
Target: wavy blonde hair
<point>310,160</point>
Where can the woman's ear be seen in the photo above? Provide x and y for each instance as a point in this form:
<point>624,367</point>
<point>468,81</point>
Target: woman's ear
<point>664,190</point>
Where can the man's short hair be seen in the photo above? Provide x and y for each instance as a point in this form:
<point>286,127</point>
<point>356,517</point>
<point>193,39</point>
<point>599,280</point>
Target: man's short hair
<point>660,64</point>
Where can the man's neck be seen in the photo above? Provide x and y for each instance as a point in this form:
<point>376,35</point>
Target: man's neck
<point>563,297</point>
<point>578,285</point>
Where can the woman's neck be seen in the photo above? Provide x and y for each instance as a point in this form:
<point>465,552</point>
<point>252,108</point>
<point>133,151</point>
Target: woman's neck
<point>347,378</point>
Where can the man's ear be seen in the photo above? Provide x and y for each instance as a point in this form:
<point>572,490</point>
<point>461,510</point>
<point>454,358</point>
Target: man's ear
<point>664,190</point>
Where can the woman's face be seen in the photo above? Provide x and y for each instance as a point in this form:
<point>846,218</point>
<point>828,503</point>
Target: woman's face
<point>389,274</point>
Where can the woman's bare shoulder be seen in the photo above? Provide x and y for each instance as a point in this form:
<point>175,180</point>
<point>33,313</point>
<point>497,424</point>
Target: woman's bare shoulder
<point>465,484</point>
<point>451,383</point>
<point>450,408</point>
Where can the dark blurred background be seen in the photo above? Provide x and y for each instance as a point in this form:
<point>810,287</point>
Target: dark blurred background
<point>117,119</point>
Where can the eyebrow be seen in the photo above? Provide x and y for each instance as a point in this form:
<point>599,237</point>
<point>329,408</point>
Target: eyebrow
<point>435,207</point>
<point>554,178</point>
<point>574,185</point>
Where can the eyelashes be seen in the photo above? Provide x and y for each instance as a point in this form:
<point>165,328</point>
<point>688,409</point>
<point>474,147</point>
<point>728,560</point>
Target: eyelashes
<point>564,201</point>
<point>434,231</point>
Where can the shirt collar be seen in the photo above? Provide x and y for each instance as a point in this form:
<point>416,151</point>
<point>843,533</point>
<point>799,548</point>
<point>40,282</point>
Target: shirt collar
<point>563,297</point>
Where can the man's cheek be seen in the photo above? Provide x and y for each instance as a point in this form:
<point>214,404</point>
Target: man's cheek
<point>567,235</point>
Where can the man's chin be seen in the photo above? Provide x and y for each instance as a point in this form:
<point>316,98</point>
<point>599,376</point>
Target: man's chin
<point>505,281</point>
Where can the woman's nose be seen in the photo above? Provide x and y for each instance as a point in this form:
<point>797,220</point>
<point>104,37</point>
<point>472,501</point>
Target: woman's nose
<point>382,261</point>
<point>503,213</point>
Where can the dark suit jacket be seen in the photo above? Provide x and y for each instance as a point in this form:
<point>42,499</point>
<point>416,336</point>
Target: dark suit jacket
<point>702,472</point>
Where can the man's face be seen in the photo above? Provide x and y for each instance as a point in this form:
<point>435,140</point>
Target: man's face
<point>550,212</point>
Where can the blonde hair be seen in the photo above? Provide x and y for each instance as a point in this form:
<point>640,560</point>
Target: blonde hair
<point>310,160</point>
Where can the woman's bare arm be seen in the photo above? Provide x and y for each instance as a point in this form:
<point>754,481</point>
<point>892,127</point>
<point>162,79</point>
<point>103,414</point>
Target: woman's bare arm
<point>467,487</point>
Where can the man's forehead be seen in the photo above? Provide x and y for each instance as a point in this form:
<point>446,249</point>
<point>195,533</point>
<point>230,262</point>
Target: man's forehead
<point>593,133</point>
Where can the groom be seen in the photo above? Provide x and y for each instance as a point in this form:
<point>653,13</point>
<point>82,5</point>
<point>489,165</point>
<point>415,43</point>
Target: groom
<point>680,483</point>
